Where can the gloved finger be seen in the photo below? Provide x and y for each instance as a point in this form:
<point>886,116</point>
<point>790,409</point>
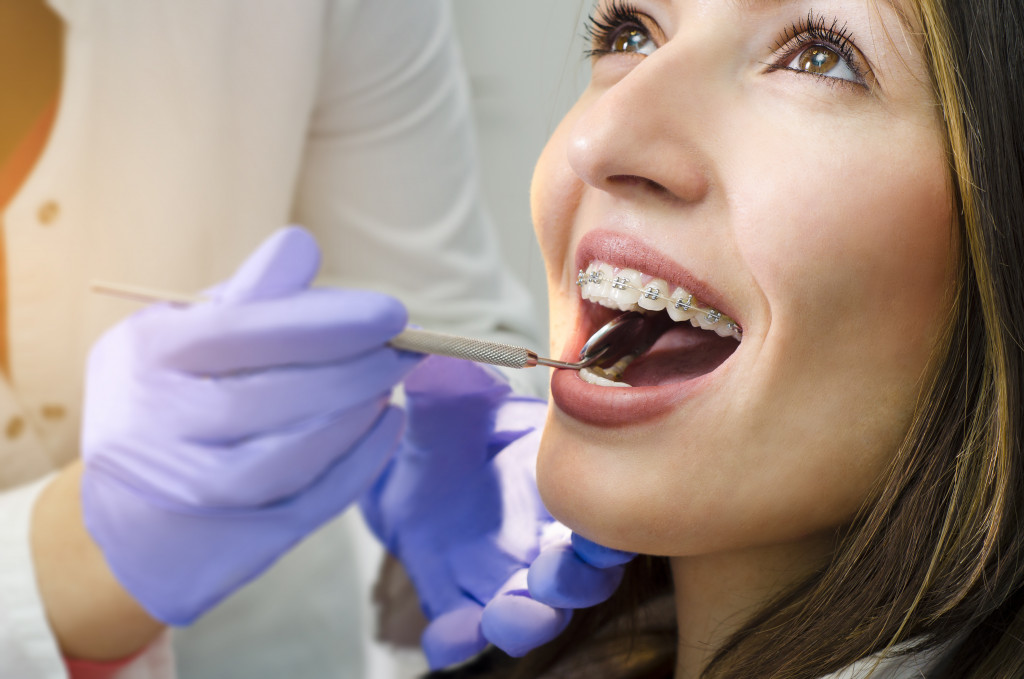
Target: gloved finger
<point>158,559</point>
<point>317,326</point>
<point>226,409</point>
<point>285,263</point>
<point>261,470</point>
<point>283,464</point>
<point>454,636</point>
<point>559,577</point>
<point>599,556</point>
<point>372,506</point>
<point>516,623</point>
<point>452,405</point>
<point>350,476</point>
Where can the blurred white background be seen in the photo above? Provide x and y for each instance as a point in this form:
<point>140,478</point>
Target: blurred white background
<point>526,68</point>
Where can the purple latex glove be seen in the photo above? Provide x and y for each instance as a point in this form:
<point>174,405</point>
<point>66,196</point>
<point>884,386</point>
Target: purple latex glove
<point>217,436</point>
<point>535,604</point>
<point>459,506</point>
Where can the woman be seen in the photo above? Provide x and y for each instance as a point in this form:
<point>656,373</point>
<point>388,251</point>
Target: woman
<point>840,488</point>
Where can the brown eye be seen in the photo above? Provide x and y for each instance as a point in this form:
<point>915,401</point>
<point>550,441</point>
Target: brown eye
<point>817,59</point>
<point>632,40</point>
<point>824,61</point>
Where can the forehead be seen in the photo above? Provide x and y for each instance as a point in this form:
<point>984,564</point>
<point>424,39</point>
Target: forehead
<point>903,9</point>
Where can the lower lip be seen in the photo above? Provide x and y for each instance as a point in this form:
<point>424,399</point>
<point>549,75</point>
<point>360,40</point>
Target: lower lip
<point>618,406</point>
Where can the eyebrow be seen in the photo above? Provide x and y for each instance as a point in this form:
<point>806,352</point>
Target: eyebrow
<point>894,5</point>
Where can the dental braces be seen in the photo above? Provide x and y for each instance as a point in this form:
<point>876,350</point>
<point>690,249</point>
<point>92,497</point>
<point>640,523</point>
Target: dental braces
<point>650,292</point>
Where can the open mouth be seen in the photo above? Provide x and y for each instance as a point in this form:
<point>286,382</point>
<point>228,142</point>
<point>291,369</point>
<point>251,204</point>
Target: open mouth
<point>680,338</point>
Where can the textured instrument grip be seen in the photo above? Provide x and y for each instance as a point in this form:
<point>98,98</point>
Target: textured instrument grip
<point>494,353</point>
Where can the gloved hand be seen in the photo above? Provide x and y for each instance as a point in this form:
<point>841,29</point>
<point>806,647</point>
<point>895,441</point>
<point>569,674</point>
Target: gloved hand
<point>459,506</point>
<point>217,436</point>
<point>535,605</point>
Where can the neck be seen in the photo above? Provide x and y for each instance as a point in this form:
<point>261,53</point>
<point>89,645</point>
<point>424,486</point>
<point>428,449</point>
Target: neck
<point>716,594</point>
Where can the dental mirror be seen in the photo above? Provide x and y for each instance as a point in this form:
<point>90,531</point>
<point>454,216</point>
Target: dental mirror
<point>623,335</point>
<point>615,339</point>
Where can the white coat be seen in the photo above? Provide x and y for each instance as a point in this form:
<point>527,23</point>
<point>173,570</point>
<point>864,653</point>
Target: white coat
<point>187,132</point>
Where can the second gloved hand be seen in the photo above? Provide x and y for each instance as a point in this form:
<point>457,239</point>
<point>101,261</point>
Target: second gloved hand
<point>217,436</point>
<point>459,506</point>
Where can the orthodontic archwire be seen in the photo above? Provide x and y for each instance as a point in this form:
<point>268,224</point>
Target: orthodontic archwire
<point>650,292</point>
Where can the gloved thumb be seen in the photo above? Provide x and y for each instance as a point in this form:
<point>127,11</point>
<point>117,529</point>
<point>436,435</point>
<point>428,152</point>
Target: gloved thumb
<point>285,263</point>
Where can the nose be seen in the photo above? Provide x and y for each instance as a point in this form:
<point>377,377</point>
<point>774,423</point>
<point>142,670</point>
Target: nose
<point>643,135</point>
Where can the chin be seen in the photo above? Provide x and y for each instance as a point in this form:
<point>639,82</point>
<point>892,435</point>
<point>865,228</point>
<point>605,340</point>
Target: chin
<point>609,495</point>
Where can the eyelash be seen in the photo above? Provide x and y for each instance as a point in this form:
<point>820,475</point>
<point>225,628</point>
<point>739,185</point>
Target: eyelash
<point>817,30</point>
<point>606,24</point>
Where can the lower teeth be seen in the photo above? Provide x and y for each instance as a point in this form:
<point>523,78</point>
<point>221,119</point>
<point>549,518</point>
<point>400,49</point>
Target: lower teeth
<point>600,377</point>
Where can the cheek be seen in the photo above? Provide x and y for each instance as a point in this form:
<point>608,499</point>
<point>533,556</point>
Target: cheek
<point>555,194</point>
<point>852,232</point>
<point>850,242</point>
<point>853,253</point>
<point>554,197</point>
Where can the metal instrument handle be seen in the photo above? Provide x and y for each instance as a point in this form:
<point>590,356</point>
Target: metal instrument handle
<point>480,351</point>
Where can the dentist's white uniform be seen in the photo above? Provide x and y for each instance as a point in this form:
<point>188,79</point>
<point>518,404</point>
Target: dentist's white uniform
<point>187,131</point>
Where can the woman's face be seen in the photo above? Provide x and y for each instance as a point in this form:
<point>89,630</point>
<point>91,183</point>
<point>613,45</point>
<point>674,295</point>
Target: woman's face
<point>783,162</point>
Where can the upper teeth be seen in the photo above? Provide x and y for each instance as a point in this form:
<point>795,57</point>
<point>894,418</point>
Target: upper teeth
<point>627,289</point>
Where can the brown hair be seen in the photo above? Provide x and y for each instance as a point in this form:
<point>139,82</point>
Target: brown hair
<point>937,553</point>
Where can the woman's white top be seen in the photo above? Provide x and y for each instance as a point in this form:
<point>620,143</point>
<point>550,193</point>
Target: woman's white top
<point>914,666</point>
<point>186,133</point>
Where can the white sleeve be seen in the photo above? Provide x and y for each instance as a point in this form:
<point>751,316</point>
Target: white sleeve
<point>390,179</point>
<point>156,662</point>
<point>28,649</point>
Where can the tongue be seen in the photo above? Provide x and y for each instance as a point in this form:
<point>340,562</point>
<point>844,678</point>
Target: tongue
<point>681,353</point>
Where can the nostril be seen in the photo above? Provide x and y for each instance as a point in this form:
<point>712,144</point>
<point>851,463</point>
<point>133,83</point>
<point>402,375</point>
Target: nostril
<point>634,180</point>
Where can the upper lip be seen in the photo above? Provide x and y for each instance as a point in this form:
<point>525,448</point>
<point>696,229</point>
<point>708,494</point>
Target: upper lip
<point>629,252</point>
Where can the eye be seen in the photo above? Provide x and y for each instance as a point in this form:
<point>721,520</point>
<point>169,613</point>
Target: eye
<point>821,48</point>
<point>823,60</point>
<point>618,28</point>
<point>633,40</point>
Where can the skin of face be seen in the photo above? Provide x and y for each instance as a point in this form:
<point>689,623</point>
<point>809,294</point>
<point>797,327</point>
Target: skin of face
<point>819,209</point>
